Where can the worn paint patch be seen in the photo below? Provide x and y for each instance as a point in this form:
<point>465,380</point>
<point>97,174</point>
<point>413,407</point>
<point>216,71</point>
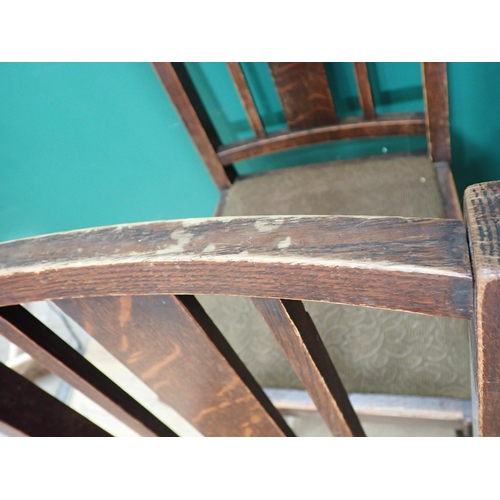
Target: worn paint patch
<point>285,243</point>
<point>265,225</point>
<point>183,238</point>
<point>209,248</point>
<point>194,222</point>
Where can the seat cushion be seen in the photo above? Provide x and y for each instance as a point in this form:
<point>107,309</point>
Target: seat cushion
<point>374,350</point>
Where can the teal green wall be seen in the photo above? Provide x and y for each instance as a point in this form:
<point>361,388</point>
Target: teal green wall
<point>94,144</point>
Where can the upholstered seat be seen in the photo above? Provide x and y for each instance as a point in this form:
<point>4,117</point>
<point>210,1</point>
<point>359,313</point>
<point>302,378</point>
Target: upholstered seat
<point>375,351</point>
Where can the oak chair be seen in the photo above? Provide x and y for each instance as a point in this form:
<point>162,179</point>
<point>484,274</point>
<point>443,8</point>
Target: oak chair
<point>131,287</point>
<point>375,351</point>
<point>210,356</point>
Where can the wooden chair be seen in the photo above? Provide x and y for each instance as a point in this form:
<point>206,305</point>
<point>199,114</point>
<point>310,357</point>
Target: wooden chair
<point>375,351</point>
<point>131,287</point>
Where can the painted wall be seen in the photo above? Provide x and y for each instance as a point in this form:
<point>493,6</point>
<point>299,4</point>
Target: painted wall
<point>94,144</point>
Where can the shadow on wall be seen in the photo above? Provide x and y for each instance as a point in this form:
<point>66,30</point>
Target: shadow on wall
<point>473,163</point>
<point>474,122</point>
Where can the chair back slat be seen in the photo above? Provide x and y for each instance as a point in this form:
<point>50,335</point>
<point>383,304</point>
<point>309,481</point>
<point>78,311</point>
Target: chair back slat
<point>246,98</point>
<point>202,133</point>
<point>33,412</point>
<point>436,109</point>
<point>304,93</point>
<point>364,90</point>
<point>297,336</point>
<point>28,333</point>
<point>172,346</point>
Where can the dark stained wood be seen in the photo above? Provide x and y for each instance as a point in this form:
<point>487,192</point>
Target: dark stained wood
<point>482,215</point>
<point>304,93</point>
<point>436,107</point>
<point>246,98</point>
<point>172,346</point>
<point>448,190</point>
<point>180,99</point>
<point>33,337</point>
<point>352,260</point>
<point>351,128</point>
<point>297,336</point>
<point>33,412</point>
<point>364,90</point>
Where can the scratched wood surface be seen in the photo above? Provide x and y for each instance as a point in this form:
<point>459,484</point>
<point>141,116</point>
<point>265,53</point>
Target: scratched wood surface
<point>297,336</point>
<point>349,128</point>
<point>43,345</point>
<point>30,411</point>
<point>352,260</point>
<point>482,215</point>
<point>437,112</point>
<point>171,345</point>
<point>304,93</point>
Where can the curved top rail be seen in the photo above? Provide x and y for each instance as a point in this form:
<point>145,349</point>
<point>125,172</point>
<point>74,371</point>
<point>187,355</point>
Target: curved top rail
<point>418,265</point>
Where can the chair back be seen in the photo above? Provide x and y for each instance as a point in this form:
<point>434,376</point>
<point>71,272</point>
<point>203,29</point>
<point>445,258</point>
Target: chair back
<point>310,114</point>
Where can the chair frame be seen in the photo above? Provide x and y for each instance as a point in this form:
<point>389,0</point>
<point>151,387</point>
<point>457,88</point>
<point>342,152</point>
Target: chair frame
<point>128,285</point>
<point>309,110</point>
<point>313,120</point>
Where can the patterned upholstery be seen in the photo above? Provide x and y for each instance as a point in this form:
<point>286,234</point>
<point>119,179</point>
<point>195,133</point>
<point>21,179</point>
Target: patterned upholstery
<point>374,350</point>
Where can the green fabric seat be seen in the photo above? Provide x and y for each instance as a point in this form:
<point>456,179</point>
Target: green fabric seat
<point>375,351</point>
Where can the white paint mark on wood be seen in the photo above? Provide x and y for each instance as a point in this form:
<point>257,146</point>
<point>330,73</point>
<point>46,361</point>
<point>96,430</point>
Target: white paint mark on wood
<point>265,225</point>
<point>183,238</point>
<point>285,243</point>
<point>209,248</point>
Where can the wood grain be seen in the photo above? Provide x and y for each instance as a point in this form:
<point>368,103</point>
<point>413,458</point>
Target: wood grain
<point>351,260</point>
<point>482,215</point>
<point>297,336</point>
<point>43,345</point>
<point>172,346</point>
<point>350,128</point>
<point>436,110</point>
<point>364,90</point>
<point>196,129</point>
<point>31,411</point>
<point>246,98</point>
<point>304,93</point>
<point>448,190</point>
